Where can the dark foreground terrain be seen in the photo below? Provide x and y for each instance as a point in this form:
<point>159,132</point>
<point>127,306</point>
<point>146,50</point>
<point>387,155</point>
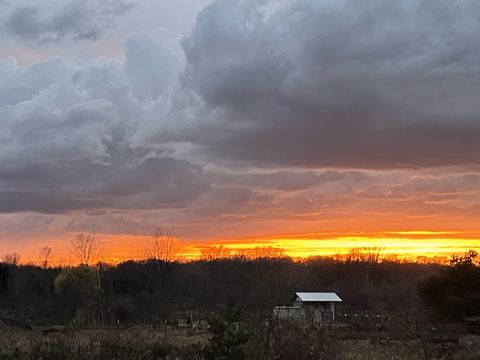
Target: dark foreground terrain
<point>286,342</point>
<point>222,310</point>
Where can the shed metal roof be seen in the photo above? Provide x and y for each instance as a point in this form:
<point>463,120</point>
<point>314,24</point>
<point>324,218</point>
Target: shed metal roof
<point>318,297</point>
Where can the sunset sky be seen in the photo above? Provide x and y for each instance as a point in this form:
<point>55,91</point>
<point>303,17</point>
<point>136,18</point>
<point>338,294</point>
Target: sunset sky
<point>311,125</point>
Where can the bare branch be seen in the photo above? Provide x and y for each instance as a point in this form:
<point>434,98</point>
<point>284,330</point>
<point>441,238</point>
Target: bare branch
<point>212,253</point>
<point>164,246</point>
<point>370,255</point>
<point>11,259</point>
<point>45,254</point>
<point>86,248</point>
<point>261,252</point>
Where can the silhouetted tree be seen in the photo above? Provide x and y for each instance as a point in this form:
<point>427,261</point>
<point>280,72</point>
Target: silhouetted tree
<point>45,254</point>
<point>228,339</point>
<point>164,246</point>
<point>212,253</point>
<point>467,259</point>
<point>5,274</point>
<point>86,249</point>
<point>153,289</point>
<point>261,252</point>
<point>11,259</point>
<point>77,285</point>
<point>455,291</point>
<point>368,257</point>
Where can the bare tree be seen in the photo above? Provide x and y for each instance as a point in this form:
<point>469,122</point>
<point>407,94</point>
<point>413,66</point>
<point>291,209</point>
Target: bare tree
<point>212,253</point>
<point>45,254</point>
<point>268,252</point>
<point>370,255</point>
<point>470,257</point>
<point>165,245</point>
<point>373,255</point>
<point>86,248</point>
<point>261,252</point>
<point>11,258</point>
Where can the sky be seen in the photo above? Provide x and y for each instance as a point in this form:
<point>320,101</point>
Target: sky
<point>313,125</point>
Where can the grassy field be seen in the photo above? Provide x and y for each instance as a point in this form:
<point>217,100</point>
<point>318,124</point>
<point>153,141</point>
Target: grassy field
<point>59,343</point>
<point>101,343</point>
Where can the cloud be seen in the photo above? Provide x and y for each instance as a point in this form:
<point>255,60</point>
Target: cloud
<point>381,84</point>
<point>18,84</point>
<point>55,21</point>
<point>270,117</point>
<point>129,179</point>
<point>153,63</point>
<point>284,180</point>
<point>348,203</point>
<point>66,136</point>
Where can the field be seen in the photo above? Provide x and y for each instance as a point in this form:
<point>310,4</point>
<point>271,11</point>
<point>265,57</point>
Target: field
<point>222,310</point>
<point>285,341</point>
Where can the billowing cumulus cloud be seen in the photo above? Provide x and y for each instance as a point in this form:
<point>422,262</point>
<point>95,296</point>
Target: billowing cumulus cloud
<point>377,84</point>
<point>153,63</point>
<point>52,21</point>
<point>67,130</point>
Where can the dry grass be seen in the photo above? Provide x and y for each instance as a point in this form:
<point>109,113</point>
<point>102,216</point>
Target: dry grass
<point>92,344</point>
<point>183,343</point>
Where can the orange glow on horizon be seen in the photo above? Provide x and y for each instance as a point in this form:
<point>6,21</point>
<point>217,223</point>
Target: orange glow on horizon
<point>400,245</point>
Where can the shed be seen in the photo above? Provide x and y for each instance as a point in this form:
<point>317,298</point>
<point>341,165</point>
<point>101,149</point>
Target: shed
<point>316,297</point>
<point>318,307</point>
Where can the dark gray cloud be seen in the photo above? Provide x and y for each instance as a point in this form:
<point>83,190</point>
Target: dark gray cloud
<point>138,181</point>
<point>284,180</point>
<point>377,84</point>
<point>74,19</point>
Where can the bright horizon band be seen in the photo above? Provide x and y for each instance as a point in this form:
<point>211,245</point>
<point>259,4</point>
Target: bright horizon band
<point>408,245</point>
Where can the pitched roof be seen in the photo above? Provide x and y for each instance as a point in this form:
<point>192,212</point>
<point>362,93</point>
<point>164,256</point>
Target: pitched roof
<point>318,297</point>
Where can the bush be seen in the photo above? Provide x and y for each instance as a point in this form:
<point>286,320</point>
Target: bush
<point>228,340</point>
<point>77,285</point>
<point>455,291</point>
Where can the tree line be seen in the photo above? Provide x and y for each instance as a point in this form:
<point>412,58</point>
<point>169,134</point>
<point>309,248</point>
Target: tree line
<point>154,290</point>
<point>159,288</point>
